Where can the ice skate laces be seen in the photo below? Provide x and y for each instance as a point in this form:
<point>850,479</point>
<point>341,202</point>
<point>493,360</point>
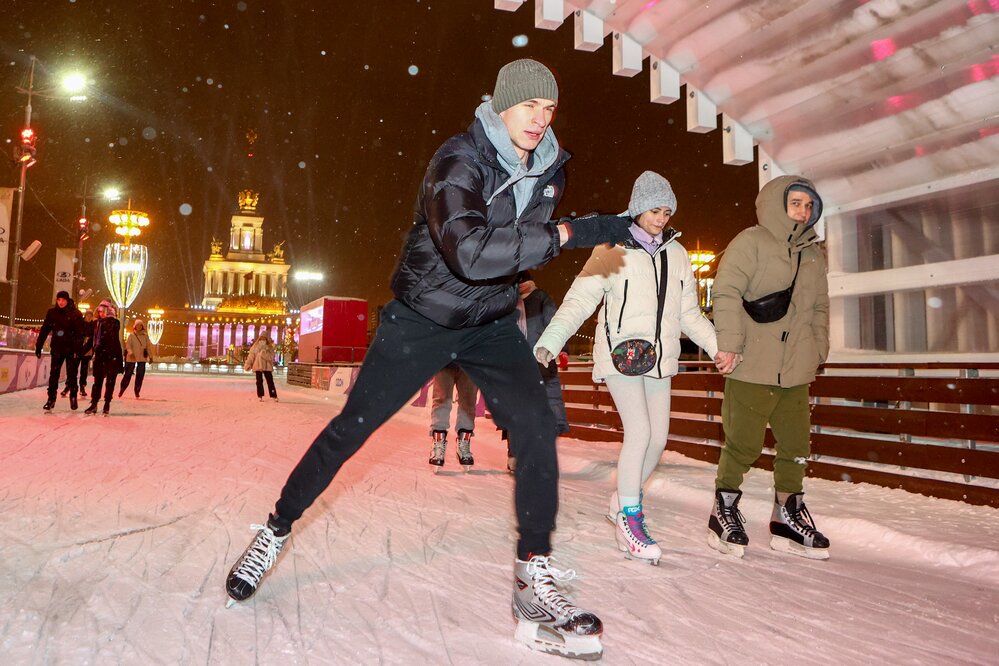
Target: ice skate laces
<point>259,558</point>
<point>638,529</point>
<point>800,520</point>
<point>545,577</point>
<point>730,516</point>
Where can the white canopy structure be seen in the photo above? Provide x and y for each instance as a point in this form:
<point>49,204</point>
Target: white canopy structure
<point>890,106</point>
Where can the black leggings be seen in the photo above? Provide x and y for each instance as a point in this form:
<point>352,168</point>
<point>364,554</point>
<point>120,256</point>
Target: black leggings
<point>409,349</point>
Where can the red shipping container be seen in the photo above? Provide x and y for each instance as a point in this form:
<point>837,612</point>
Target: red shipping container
<point>333,330</point>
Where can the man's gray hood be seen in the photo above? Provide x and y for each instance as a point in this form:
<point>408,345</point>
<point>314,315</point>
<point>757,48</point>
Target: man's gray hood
<point>521,178</point>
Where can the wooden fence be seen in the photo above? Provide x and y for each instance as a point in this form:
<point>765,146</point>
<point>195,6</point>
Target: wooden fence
<point>869,424</point>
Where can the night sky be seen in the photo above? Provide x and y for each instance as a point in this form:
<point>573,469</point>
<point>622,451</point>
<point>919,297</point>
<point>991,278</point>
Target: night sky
<point>349,101</point>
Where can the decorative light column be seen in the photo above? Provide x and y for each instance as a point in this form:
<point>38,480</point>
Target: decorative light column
<point>125,263</point>
<point>154,327</point>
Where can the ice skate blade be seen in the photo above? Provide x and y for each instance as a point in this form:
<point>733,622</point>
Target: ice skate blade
<point>437,468</point>
<point>230,602</point>
<point>725,547</point>
<point>628,555</point>
<point>543,639</point>
<point>782,545</point>
<point>467,468</point>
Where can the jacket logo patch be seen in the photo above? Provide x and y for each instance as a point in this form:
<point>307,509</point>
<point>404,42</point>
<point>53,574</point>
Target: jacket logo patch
<point>549,191</point>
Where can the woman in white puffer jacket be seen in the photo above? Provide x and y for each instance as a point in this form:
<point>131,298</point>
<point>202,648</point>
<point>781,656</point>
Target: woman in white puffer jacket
<point>624,281</point>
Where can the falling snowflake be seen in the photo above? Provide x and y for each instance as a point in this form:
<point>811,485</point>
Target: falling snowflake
<point>520,41</point>
<point>413,70</point>
<point>185,209</point>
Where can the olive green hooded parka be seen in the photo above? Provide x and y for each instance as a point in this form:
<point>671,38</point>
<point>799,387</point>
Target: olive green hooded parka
<point>760,261</point>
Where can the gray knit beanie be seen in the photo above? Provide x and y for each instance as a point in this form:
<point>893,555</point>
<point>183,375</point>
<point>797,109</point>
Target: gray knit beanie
<point>651,191</point>
<point>522,80</point>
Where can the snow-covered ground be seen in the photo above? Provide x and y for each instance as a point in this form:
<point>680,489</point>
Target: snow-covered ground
<point>117,534</point>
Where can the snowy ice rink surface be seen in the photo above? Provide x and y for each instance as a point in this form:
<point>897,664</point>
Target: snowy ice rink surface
<point>117,534</point>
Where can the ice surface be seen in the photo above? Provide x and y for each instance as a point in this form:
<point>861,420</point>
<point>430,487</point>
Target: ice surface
<point>118,533</point>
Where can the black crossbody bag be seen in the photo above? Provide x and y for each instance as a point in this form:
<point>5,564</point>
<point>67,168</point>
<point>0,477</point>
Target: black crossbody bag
<point>772,307</point>
<point>636,356</point>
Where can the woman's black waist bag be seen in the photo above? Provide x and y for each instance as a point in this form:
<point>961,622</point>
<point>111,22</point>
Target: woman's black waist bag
<point>772,307</point>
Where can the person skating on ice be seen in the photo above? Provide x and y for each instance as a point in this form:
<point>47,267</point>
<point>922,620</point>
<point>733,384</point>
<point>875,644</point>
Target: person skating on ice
<point>107,361</point>
<point>138,352</point>
<point>771,305</point>
<point>445,382</point>
<point>260,361</point>
<point>482,215</point>
<point>534,310</point>
<point>643,290</point>
<point>65,324</point>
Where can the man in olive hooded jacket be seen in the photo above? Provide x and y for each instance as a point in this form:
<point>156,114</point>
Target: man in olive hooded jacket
<point>782,341</point>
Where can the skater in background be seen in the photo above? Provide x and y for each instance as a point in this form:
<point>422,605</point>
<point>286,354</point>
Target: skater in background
<point>107,361</point>
<point>260,361</point>
<point>137,354</point>
<point>65,324</point>
<point>445,382</point>
<point>645,292</point>
<point>535,310</point>
<point>87,351</point>
<point>771,305</point>
<point>483,213</point>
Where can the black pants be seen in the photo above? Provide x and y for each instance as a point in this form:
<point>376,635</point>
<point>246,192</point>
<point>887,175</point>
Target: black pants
<point>105,380</point>
<point>72,364</point>
<point>261,374</point>
<point>84,368</point>
<point>409,349</point>
<point>139,368</point>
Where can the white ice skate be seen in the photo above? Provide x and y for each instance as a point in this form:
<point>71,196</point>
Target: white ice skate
<point>633,536</point>
<point>440,448</point>
<point>547,620</point>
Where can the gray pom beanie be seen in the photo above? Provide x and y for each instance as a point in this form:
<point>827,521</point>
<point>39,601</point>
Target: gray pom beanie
<point>522,80</point>
<point>651,191</point>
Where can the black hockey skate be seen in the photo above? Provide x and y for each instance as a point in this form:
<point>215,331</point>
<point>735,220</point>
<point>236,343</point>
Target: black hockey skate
<point>256,560</point>
<point>793,530</point>
<point>92,409</point>
<point>440,447</point>
<point>726,533</point>
<point>546,619</point>
<point>73,404</point>
<point>49,404</point>
<point>464,452</point>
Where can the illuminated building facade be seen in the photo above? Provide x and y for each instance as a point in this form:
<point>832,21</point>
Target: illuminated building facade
<point>246,280</point>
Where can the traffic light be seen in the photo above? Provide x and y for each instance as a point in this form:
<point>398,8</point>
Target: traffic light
<point>25,152</point>
<point>84,226</point>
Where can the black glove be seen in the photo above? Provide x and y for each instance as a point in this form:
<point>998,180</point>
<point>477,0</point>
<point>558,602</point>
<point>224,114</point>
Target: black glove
<point>38,353</point>
<point>597,230</point>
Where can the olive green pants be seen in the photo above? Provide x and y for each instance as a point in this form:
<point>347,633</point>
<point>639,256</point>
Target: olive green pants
<point>746,410</point>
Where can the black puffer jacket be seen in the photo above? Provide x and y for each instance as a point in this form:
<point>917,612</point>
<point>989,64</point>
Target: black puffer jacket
<point>66,326</point>
<point>107,346</point>
<point>460,260</point>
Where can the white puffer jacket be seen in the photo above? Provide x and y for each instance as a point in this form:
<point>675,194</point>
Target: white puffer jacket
<point>627,277</point>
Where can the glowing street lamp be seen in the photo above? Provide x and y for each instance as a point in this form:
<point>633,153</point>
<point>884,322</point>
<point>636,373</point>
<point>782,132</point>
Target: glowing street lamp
<point>154,327</point>
<point>125,263</point>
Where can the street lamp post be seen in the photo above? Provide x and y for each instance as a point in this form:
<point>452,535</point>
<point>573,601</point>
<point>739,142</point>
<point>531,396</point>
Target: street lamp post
<point>25,163</point>
<point>25,154</point>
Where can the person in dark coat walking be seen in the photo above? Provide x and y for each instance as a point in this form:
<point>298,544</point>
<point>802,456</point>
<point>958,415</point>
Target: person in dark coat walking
<point>108,361</point>
<point>482,215</point>
<point>65,323</point>
<point>535,309</point>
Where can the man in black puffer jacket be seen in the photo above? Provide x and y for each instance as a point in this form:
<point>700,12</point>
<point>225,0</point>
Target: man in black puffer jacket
<point>483,214</point>
<point>65,323</point>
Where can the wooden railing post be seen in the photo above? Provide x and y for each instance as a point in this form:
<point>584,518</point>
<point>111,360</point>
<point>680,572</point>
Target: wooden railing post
<point>968,373</point>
